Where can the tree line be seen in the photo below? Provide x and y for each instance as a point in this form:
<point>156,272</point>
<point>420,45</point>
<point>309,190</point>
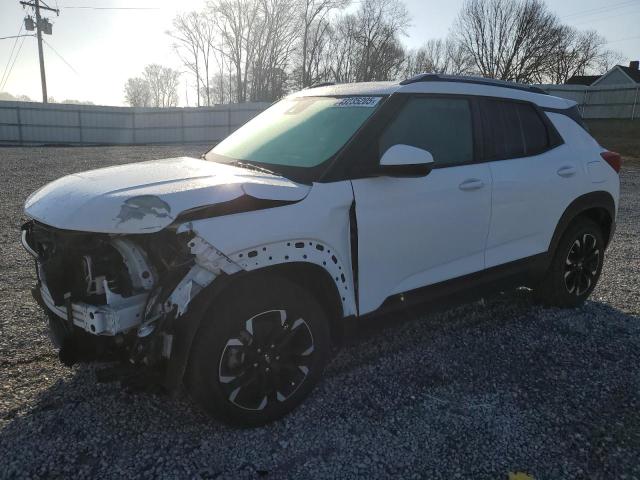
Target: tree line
<point>259,50</point>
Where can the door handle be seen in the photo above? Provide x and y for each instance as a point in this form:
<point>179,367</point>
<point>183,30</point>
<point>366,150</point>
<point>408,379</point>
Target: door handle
<point>567,171</point>
<point>471,184</point>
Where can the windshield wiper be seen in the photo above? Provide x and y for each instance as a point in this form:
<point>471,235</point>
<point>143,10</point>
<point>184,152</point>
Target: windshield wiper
<point>252,166</point>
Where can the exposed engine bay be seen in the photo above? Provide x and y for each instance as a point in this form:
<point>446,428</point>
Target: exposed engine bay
<point>109,292</point>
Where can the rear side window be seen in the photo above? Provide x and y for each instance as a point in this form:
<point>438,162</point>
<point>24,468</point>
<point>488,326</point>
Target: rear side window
<point>512,129</point>
<point>534,131</point>
<point>441,126</point>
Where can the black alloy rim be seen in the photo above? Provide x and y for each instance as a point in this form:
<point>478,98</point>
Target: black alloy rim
<point>581,266</point>
<point>267,361</point>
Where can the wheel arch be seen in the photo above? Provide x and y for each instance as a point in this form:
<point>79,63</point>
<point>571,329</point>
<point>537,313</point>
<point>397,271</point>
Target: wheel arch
<point>315,279</point>
<point>598,206</point>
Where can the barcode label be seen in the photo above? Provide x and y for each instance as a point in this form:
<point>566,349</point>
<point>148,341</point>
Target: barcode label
<point>369,102</point>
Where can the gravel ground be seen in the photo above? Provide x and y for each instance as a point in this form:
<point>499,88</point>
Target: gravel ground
<point>477,391</point>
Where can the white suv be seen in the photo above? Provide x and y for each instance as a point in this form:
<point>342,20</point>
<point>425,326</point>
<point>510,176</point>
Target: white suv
<point>236,271</point>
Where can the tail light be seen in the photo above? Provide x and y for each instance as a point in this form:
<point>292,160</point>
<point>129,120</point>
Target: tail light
<point>614,159</point>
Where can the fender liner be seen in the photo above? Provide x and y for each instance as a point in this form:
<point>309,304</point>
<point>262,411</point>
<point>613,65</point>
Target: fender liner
<point>598,199</point>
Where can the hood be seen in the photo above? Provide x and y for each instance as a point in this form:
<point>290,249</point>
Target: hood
<point>146,197</point>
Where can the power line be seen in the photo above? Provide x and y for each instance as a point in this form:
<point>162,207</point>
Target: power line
<point>594,20</point>
<point>60,56</point>
<point>16,36</point>
<point>13,47</point>
<point>6,79</point>
<point>598,10</point>
<point>622,39</point>
<point>111,8</point>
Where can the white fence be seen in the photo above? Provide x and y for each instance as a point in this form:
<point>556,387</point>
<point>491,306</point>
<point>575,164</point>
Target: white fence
<point>617,101</point>
<point>26,123</point>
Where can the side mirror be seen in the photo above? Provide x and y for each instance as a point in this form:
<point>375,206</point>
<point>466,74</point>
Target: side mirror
<point>406,161</point>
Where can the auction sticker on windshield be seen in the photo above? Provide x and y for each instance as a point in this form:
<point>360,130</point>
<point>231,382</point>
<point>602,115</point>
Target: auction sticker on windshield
<point>358,102</point>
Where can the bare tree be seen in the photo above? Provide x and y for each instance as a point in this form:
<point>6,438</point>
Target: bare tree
<point>439,56</point>
<point>318,63</point>
<point>194,36</point>
<point>576,54</point>
<point>366,45</point>
<point>187,45</point>
<point>137,92</point>
<point>73,101</point>
<point>163,85</point>
<point>607,60</point>
<point>509,39</point>
<point>258,50</point>
<point>12,98</point>
<point>255,40</point>
<point>275,38</point>
<point>460,62</point>
<point>315,29</point>
<point>379,24</point>
<point>235,21</point>
<point>432,57</point>
<point>342,55</point>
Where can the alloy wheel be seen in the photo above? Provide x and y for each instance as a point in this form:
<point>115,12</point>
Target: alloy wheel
<point>581,265</point>
<point>266,361</point>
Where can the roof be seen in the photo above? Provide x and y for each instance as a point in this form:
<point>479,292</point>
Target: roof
<point>443,84</point>
<point>633,74</point>
<point>582,80</point>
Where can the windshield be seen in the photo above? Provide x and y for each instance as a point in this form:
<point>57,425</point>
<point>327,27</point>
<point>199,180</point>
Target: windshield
<point>297,132</point>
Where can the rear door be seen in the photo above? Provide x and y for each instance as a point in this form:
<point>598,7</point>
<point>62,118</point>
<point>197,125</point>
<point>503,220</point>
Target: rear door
<point>414,232</point>
<point>534,176</point>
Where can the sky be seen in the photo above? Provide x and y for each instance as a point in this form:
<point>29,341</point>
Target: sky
<point>92,52</point>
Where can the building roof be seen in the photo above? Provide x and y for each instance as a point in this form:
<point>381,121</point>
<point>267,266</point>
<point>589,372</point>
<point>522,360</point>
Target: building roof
<point>582,80</point>
<point>631,72</point>
<point>634,74</point>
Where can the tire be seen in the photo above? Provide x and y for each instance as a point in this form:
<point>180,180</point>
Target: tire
<point>259,352</point>
<point>575,268</point>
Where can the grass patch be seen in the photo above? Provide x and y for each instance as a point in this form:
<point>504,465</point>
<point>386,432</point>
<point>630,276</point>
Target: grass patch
<point>622,136</point>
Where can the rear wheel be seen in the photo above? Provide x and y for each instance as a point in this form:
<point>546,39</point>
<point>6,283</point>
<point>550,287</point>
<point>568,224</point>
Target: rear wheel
<point>576,266</point>
<point>259,353</point>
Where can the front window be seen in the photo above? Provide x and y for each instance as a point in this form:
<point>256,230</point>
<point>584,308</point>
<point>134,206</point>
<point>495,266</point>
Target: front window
<point>300,132</point>
<point>440,125</point>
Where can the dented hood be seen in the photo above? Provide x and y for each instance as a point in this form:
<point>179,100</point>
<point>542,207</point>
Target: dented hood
<point>146,197</point>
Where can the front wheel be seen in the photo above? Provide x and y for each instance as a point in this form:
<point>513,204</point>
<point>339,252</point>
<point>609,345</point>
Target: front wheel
<point>576,266</point>
<point>259,353</point>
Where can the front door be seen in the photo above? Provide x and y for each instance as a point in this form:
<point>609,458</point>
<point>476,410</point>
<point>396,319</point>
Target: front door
<point>414,232</point>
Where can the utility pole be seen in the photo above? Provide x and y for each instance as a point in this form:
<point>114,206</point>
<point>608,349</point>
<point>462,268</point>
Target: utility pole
<point>40,25</point>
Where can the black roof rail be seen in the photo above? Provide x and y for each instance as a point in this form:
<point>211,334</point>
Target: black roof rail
<point>437,77</point>
<point>324,84</point>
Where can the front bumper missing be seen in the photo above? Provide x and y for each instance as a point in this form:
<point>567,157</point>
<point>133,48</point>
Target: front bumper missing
<point>107,320</point>
<point>141,327</point>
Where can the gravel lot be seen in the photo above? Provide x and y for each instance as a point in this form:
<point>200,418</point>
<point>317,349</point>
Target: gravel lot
<point>473,392</point>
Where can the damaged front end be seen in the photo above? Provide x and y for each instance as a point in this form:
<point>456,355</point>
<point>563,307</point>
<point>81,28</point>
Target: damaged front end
<point>119,296</point>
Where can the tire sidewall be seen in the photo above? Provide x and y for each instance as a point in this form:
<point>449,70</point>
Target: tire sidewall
<point>223,320</point>
<point>577,230</point>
